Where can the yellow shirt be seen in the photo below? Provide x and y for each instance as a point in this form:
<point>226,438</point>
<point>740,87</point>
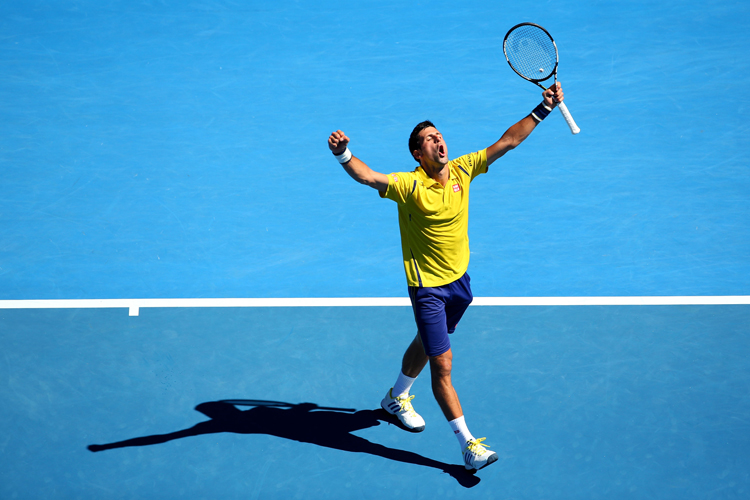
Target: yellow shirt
<point>434,220</point>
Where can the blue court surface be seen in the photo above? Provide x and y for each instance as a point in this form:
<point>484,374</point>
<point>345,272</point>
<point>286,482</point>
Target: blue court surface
<point>197,302</point>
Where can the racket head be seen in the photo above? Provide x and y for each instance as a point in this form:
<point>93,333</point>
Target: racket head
<point>531,52</point>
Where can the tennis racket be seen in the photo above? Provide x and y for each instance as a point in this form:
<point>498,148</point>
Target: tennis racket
<point>532,53</point>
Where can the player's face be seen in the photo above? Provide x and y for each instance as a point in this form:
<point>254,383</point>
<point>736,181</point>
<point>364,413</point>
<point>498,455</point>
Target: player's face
<point>434,150</point>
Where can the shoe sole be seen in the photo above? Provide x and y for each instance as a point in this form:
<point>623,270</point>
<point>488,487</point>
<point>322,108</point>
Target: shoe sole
<point>400,423</point>
<point>490,461</point>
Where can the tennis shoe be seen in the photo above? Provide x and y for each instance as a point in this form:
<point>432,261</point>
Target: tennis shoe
<point>476,455</point>
<point>402,408</point>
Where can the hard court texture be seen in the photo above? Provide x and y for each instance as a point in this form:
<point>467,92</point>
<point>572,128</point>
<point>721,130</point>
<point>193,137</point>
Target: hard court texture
<point>177,150</point>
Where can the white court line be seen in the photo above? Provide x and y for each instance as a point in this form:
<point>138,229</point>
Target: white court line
<point>135,305</point>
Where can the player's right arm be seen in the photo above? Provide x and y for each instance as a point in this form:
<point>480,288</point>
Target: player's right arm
<point>356,168</point>
<point>518,133</point>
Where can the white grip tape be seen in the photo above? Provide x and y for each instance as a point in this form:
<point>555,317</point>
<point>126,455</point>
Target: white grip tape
<point>568,118</point>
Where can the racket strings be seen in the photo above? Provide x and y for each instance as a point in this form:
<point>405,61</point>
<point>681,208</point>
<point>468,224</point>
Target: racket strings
<point>531,52</point>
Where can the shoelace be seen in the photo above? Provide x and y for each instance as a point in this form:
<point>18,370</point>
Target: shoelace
<point>477,447</point>
<point>406,404</point>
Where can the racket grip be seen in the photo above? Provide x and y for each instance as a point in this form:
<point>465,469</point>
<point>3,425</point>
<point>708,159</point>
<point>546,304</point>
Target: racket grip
<point>568,118</point>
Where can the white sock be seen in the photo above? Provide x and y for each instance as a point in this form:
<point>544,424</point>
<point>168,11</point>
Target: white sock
<point>461,431</point>
<point>402,385</point>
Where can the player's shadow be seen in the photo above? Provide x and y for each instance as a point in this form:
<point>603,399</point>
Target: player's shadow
<point>304,422</point>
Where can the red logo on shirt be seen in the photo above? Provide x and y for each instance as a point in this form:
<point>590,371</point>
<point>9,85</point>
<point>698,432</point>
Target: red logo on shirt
<point>456,188</point>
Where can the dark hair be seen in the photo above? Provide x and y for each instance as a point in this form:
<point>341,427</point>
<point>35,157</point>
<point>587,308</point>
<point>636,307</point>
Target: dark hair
<point>414,142</point>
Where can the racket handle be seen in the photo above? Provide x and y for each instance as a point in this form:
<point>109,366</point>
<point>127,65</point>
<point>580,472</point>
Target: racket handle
<point>568,118</point>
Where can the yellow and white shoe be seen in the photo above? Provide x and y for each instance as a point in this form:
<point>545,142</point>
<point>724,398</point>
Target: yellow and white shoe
<point>476,455</point>
<point>402,408</point>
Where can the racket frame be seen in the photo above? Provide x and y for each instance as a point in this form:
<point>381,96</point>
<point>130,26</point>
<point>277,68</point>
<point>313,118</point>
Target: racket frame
<point>553,73</point>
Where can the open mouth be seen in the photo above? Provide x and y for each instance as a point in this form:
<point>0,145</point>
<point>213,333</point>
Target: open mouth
<point>441,151</point>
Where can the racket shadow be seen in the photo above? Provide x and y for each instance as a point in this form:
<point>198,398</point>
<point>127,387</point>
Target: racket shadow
<point>305,423</point>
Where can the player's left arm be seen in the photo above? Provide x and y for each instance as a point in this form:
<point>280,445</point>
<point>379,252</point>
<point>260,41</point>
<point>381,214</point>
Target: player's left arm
<point>356,168</point>
<point>516,134</point>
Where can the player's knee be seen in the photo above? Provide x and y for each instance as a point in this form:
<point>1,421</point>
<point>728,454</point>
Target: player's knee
<point>440,366</point>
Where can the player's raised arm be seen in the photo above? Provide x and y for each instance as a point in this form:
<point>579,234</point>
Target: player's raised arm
<point>516,134</point>
<point>356,168</point>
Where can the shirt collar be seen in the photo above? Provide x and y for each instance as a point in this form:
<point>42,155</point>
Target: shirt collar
<point>429,181</point>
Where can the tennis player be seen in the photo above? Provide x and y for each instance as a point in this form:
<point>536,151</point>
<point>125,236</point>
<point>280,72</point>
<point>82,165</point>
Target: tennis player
<point>433,215</point>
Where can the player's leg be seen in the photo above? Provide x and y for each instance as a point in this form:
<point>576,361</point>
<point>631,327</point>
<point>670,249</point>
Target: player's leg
<point>458,297</point>
<point>442,386</point>
<point>429,313</point>
<point>414,359</point>
<point>397,401</point>
<point>475,454</point>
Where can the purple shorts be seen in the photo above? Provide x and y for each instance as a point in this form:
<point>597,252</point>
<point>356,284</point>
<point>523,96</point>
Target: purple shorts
<point>438,310</point>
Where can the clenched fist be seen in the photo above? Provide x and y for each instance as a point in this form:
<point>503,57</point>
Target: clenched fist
<point>338,141</point>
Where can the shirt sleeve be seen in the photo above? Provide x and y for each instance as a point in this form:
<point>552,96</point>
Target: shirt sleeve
<point>400,186</point>
<point>473,164</point>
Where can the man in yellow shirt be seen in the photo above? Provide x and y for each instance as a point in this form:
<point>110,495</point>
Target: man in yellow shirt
<point>433,211</point>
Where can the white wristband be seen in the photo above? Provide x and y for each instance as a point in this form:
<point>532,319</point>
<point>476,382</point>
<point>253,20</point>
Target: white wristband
<point>344,157</point>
